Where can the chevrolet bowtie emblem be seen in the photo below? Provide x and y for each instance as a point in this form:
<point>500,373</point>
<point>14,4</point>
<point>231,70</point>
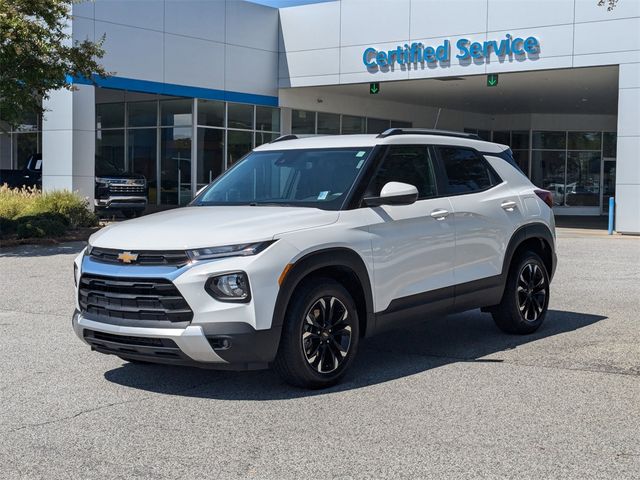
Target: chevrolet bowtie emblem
<point>127,257</point>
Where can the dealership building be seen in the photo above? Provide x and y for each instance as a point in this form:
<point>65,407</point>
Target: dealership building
<point>196,84</point>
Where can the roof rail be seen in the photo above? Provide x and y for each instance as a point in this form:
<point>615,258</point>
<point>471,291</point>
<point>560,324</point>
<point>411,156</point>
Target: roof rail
<point>282,138</point>
<point>426,131</point>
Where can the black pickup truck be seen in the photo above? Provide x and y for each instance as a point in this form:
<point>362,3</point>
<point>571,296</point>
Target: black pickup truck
<point>123,192</point>
<point>114,191</point>
<point>29,176</point>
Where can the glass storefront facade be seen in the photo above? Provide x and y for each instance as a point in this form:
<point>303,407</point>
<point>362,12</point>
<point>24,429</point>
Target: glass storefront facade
<point>305,122</point>
<point>577,167</point>
<point>17,145</point>
<point>178,144</point>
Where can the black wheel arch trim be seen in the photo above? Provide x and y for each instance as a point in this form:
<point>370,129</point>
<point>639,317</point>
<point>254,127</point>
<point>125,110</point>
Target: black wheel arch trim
<point>537,230</point>
<point>339,257</point>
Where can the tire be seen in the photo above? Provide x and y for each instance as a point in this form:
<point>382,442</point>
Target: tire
<point>312,354</point>
<point>129,213</point>
<point>526,296</point>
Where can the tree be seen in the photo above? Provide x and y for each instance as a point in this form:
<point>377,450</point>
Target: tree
<point>37,55</point>
<point>611,4</point>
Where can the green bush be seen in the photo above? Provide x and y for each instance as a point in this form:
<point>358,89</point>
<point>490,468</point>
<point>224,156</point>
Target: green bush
<point>67,204</point>
<point>30,213</point>
<point>41,225</point>
<point>7,226</point>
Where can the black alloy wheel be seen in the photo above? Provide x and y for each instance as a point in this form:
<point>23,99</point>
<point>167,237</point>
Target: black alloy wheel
<point>326,334</point>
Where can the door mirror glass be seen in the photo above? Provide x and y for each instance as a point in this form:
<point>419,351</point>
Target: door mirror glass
<point>394,193</point>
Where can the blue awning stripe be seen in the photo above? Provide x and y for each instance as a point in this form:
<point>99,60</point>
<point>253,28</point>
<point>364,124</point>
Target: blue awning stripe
<point>160,88</point>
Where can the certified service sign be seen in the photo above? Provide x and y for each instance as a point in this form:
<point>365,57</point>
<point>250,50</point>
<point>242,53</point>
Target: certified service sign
<point>418,53</point>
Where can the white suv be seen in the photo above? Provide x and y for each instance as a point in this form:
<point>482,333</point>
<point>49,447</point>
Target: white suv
<point>306,246</point>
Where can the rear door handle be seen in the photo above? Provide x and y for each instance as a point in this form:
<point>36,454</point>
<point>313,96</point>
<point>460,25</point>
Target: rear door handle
<point>440,214</point>
<point>509,206</point>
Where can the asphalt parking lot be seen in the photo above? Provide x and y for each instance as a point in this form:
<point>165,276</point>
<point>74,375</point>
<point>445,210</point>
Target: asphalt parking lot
<point>451,398</point>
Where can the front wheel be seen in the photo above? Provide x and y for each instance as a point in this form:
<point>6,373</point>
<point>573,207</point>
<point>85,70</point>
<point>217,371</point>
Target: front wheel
<point>320,335</point>
<point>526,296</point>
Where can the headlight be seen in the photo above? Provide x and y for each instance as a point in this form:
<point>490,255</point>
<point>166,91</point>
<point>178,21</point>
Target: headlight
<point>104,181</point>
<point>230,287</point>
<point>241,250</point>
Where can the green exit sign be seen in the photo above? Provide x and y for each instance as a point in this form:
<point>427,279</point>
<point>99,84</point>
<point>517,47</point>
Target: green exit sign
<point>374,88</point>
<point>492,80</point>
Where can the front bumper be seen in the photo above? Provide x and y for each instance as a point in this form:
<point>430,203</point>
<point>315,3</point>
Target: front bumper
<point>220,335</point>
<point>229,346</point>
<point>118,202</point>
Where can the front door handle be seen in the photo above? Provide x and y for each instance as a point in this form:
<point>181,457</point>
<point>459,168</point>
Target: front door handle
<point>509,206</point>
<point>440,214</point>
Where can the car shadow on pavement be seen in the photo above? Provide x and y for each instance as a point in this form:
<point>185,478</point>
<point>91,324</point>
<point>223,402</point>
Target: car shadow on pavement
<point>466,337</point>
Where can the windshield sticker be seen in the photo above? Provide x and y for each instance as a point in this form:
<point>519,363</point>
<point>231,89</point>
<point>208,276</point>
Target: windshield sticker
<point>323,195</point>
<point>359,165</point>
<point>360,154</point>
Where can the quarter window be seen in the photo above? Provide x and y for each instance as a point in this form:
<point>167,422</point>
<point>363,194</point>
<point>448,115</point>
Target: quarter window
<point>406,164</point>
<point>466,171</point>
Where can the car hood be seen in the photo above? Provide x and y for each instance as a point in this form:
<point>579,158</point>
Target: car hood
<point>198,227</point>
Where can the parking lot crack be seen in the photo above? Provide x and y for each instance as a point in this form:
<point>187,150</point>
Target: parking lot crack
<point>71,417</point>
<point>102,407</point>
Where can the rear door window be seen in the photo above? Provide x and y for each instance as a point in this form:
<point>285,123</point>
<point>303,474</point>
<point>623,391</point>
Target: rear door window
<point>466,171</point>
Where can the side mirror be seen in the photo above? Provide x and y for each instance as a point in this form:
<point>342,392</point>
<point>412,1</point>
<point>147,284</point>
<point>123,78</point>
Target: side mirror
<point>394,193</point>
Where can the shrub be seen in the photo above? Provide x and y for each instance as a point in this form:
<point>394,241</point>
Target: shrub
<point>30,213</point>
<point>14,201</point>
<point>67,204</point>
<point>41,225</point>
<point>7,226</point>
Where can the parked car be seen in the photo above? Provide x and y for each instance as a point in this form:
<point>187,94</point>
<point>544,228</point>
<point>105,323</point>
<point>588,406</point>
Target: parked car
<point>29,176</point>
<point>307,246</point>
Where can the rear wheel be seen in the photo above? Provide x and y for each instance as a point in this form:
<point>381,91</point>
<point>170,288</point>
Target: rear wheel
<point>320,335</point>
<point>526,297</point>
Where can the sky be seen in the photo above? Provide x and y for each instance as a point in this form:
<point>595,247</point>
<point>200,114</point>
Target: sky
<point>286,3</point>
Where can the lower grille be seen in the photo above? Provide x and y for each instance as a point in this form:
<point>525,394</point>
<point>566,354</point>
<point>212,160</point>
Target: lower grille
<point>137,347</point>
<point>107,299</point>
<point>128,340</point>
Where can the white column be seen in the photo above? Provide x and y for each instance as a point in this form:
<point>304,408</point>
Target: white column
<point>628,150</point>
<point>68,141</point>
<point>285,120</point>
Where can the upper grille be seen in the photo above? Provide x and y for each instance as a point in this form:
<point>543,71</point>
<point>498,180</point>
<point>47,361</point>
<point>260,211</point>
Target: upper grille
<point>127,188</point>
<point>148,300</point>
<point>169,257</point>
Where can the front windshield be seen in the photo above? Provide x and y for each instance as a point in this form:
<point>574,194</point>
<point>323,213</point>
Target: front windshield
<point>318,178</point>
